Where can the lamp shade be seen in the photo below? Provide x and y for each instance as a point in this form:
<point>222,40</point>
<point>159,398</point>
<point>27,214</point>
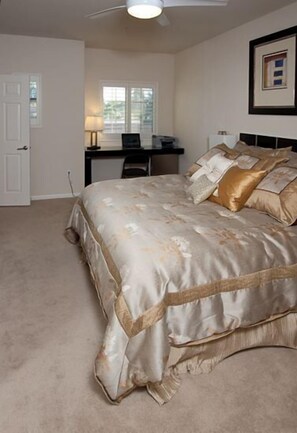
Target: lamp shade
<point>94,123</point>
<point>145,9</point>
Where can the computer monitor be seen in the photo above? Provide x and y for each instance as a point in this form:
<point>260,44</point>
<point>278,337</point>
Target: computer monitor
<point>131,141</point>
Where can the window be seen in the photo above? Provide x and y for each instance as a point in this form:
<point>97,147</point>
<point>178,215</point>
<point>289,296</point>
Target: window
<point>129,107</point>
<point>35,100</point>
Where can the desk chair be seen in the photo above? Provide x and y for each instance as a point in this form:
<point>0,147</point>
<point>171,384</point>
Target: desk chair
<point>136,165</point>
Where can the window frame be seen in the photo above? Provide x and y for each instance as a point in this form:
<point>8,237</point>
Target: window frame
<point>111,136</point>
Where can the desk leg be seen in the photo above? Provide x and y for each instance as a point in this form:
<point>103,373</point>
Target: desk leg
<point>88,170</point>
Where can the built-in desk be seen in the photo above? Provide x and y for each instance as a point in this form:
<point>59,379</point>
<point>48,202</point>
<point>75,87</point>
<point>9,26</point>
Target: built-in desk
<point>160,164</point>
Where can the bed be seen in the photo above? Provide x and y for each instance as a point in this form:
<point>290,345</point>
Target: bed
<point>183,286</point>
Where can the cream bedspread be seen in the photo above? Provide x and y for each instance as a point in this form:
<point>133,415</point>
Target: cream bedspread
<point>170,273</point>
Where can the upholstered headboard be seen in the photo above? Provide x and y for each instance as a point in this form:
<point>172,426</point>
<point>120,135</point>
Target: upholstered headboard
<point>267,141</point>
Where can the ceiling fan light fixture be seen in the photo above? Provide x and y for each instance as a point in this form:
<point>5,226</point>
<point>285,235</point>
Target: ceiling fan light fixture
<point>145,9</point>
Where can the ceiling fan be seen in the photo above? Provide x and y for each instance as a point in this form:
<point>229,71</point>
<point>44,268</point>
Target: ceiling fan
<point>148,9</point>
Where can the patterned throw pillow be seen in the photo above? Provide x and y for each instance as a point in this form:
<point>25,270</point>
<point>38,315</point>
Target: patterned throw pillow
<point>229,153</point>
<point>201,189</point>
<point>246,156</point>
<point>258,163</point>
<point>277,193</point>
<point>214,169</point>
<point>220,149</point>
<point>266,163</point>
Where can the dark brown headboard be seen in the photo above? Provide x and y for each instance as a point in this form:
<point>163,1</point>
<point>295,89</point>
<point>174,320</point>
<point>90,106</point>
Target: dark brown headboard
<point>267,141</point>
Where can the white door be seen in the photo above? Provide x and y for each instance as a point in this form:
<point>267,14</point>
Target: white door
<point>14,140</point>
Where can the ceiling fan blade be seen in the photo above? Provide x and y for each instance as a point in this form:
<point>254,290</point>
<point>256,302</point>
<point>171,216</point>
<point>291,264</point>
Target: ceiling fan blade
<point>163,20</point>
<point>176,3</point>
<point>97,14</point>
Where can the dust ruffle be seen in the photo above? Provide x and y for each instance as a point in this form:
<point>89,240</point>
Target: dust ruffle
<point>71,236</point>
<point>202,358</point>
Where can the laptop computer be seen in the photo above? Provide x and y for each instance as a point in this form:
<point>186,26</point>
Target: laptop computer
<point>131,141</point>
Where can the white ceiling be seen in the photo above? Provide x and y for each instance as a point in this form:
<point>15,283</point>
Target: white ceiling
<point>117,30</point>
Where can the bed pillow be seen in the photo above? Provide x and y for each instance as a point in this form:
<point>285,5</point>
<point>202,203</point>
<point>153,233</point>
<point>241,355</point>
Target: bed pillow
<point>237,185</point>
<point>266,163</point>
<point>292,156</point>
<point>214,169</point>
<point>269,163</point>
<point>277,193</point>
<point>201,189</point>
<point>253,162</point>
<point>242,147</point>
<point>230,153</point>
<point>220,149</point>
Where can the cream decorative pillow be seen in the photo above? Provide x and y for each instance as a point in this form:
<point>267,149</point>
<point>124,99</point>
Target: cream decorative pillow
<point>247,157</point>
<point>277,193</point>
<point>214,169</point>
<point>201,189</point>
<point>220,149</point>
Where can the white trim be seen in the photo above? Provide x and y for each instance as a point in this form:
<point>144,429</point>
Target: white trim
<point>53,196</point>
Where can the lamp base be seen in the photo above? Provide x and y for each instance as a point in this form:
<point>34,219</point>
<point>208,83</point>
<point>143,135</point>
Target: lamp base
<point>94,138</point>
<point>93,147</point>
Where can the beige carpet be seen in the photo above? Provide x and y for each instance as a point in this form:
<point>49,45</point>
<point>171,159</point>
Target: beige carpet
<point>50,331</point>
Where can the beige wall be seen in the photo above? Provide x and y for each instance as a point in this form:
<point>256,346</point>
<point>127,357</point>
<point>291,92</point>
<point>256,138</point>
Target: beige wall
<point>212,87</point>
<point>58,145</point>
<point>201,90</point>
<point>129,66</point>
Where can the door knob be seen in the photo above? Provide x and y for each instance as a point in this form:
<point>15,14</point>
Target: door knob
<point>23,148</point>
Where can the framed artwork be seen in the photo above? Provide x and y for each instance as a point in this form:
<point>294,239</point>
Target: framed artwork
<point>273,74</point>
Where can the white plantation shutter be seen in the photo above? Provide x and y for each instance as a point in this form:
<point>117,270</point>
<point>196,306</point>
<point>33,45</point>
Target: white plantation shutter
<point>114,100</point>
<point>142,110</point>
<point>129,108</point>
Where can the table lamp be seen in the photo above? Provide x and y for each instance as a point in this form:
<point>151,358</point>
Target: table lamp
<point>94,124</point>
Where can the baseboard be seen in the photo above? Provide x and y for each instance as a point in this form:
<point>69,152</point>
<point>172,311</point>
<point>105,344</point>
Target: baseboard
<point>53,196</point>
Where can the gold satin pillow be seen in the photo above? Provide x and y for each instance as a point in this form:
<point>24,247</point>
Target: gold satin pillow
<point>256,163</point>
<point>277,193</point>
<point>237,185</point>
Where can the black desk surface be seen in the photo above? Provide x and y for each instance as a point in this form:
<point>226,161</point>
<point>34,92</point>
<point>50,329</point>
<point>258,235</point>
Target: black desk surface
<point>119,151</point>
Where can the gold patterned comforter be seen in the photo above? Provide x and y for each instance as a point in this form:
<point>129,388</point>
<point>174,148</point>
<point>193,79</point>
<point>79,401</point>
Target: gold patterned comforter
<point>174,275</point>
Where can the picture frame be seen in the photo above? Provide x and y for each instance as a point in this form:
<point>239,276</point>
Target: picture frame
<point>273,73</point>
